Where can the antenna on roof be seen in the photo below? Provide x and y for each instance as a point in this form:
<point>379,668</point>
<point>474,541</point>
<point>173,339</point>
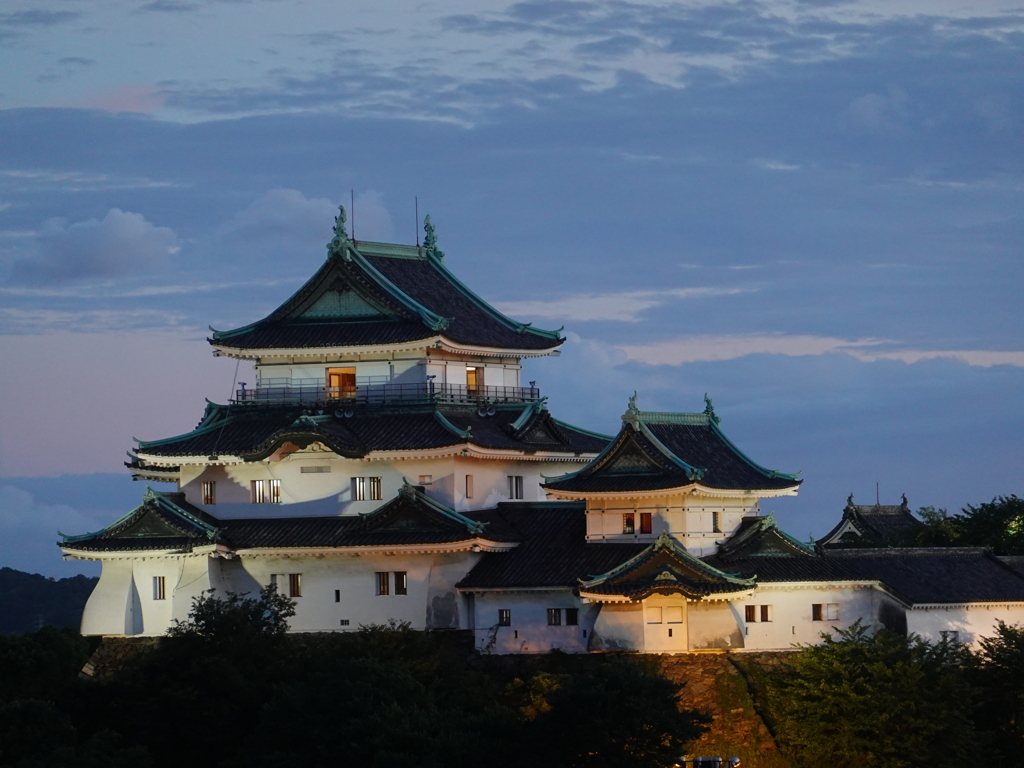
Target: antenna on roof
<point>352,208</point>
<point>417,227</point>
<point>877,499</point>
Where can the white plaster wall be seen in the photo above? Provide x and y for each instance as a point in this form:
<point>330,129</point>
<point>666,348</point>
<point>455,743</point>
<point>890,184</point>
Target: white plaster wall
<point>529,631</point>
<point>717,624</point>
<point>665,624</point>
<point>792,621</point>
<point>972,622</point>
<point>105,611</point>
<point>619,627</point>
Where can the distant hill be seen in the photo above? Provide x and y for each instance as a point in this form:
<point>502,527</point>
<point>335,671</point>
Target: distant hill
<point>29,601</point>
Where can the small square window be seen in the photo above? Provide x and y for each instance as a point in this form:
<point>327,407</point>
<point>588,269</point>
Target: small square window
<point>572,617</point>
<point>504,617</point>
<point>554,617</point>
<point>344,622</point>
<point>426,479</point>
<point>383,583</point>
<point>209,492</point>
<point>376,488</point>
<point>629,523</point>
<point>294,585</point>
<point>469,486</point>
<point>358,489</point>
<point>159,588</point>
<point>645,522</point>
<point>750,613</point>
<point>401,583</point>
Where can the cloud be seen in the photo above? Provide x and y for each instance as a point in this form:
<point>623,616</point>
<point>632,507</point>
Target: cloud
<point>37,18</point>
<point>14,321</point>
<point>120,243</point>
<point>168,6</point>
<point>776,165</point>
<point>28,530</point>
<point>623,307</point>
<point>708,348</point>
<point>35,179</point>
<point>874,113</point>
<point>141,98</point>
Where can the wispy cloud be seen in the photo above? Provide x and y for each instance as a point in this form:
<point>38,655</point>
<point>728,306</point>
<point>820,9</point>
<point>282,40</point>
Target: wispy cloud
<point>708,348</point>
<point>111,291</point>
<point>42,321</point>
<point>626,306</point>
<point>31,179</point>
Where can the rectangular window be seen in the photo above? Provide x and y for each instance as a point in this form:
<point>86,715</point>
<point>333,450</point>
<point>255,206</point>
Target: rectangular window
<point>266,491</point>
<point>628,523</point>
<point>654,614</point>
<point>816,612</point>
<point>674,614</point>
<point>832,611</point>
<point>401,583</point>
<point>159,588</point>
<point>294,585</point>
<point>341,383</point>
<point>322,469</point>
<point>376,489</point>
<point>469,486</point>
<point>515,486</point>
<point>750,612</point>
<point>358,489</point>
<point>344,622</point>
<point>554,617</point>
<point>766,613</point>
<point>716,523</point>
<point>572,617</point>
<point>383,583</point>
<point>337,595</point>
<point>426,479</point>
<point>209,492</point>
<point>504,617</point>
<point>645,522</point>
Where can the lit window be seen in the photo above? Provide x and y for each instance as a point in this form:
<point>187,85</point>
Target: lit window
<point>469,486</point>
<point>383,583</point>
<point>376,489</point>
<point>209,492</point>
<point>572,617</point>
<point>358,489</point>
<point>504,617</point>
<point>628,523</point>
<point>401,583</point>
<point>554,617</point>
<point>515,486</point>
<point>645,522</point>
<point>159,588</point>
<point>266,491</point>
<point>750,613</point>
<point>426,479</point>
<point>294,585</point>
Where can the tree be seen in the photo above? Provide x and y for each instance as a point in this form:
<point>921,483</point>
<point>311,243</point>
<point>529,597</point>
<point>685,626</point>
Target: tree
<point>236,616</point>
<point>876,699</point>
<point>998,676</point>
<point>998,524</point>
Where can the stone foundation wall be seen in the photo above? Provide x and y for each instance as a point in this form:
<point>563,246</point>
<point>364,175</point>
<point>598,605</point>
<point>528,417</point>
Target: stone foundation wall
<point>113,653</point>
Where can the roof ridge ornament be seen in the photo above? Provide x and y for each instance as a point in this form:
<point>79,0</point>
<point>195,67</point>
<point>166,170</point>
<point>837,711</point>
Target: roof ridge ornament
<point>632,414</point>
<point>340,239</point>
<point>709,410</point>
<point>430,240</point>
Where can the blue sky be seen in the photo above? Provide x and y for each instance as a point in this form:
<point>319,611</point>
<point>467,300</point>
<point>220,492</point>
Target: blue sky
<point>810,210</point>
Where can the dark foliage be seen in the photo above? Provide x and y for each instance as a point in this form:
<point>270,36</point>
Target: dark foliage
<point>998,524</point>
<point>998,672</point>
<point>29,601</point>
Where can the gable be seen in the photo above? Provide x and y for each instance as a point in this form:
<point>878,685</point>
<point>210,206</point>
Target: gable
<point>147,526</point>
<point>341,301</point>
<point>630,460</point>
<point>540,433</point>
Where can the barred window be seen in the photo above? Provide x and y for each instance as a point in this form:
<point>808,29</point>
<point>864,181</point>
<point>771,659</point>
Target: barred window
<point>401,583</point>
<point>209,492</point>
<point>266,491</point>
<point>376,488</point>
<point>159,588</point>
<point>359,489</point>
<point>554,617</point>
<point>504,617</point>
<point>629,523</point>
<point>383,583</point>
<point>294,585</point>
<point>515,486</point>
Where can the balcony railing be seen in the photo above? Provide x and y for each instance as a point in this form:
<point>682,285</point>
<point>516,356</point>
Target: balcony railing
<point>383,394</point>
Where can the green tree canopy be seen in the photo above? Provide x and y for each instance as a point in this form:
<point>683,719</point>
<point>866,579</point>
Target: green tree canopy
<point>998,524</point>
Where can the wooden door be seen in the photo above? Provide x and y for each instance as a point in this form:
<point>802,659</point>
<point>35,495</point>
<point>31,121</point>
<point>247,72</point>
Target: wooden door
<point>341,383</point>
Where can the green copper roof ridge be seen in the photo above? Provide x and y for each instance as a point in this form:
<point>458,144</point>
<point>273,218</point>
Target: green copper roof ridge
<point>769,473</point>
<point>161,499</point>
<point>439,266</point>
<point>119,521</point>
<point>200,430</point>
<point>431,319</point>
<point>474,526</point>
<point>582,431</point>
<point>537,406</point>
<point>465,434</point>
<point>662,542</point>
<point>604,452</point>
<point>149,495</point>
<point>692,472</point>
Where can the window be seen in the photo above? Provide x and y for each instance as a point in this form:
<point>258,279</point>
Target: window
<point>754,613</point>
<point>515,486</point>
<point>950,636</point>
<point>343,622</point>
<point>645,522</point>
<point>358,489</point>
<point>401,583</point>
<point>716,523</point>
<point>825,612</point>
<point>751,613</point>
<point>266,491</point>
<point>572,617</point>
<point>376,488</point>
<point>159,588</point>
<point>469,486</point>
<point>474,378</point>
<point>341,383</point>
<point>426,479</point>
<point>364,488</point>
<point>766,613</point>
<point>294,585</point>
<point>337,595</point>
<point>504,617</point>
<point>209,492</point>
<point>322,469</point>
<point>628,525</point>
<point>674,614</point>
<point>654,614</point>
<point>554,617</point>
<point>383,583</point>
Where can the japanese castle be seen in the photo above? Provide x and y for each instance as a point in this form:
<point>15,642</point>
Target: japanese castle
<point>390,462</point>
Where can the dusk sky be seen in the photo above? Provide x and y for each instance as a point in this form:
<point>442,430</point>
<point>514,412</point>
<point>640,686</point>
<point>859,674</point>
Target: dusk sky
<point>812,210</point>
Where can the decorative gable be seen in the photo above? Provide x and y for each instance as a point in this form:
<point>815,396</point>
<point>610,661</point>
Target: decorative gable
<point>149,524</point>
<point>629,459</point>
<point>341,303</point>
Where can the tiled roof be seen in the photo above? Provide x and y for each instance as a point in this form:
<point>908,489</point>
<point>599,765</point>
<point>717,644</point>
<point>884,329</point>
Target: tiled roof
<point>655,451</point>
<point>760,537</point>
<point>254,433</point>
<point>878,524</point>
<point>553,551</point>
<point>401,294</point>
